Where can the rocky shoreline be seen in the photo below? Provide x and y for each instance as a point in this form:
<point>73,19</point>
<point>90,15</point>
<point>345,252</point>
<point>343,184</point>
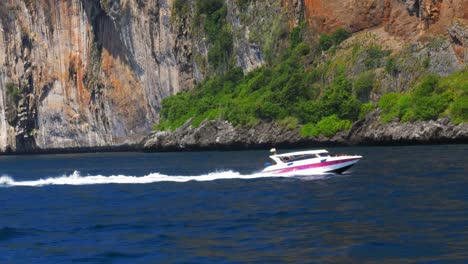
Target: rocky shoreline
<point>71,150</point>
<point>222,135</point>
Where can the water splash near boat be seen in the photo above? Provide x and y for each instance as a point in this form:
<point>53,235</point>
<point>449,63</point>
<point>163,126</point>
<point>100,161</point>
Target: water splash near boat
<point>77,179</point>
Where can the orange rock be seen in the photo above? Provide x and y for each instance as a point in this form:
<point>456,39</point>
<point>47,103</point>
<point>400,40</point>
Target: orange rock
<point>398,18</point>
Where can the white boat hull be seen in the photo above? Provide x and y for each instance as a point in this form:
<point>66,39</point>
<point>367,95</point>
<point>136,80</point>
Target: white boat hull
<point>313,167</point>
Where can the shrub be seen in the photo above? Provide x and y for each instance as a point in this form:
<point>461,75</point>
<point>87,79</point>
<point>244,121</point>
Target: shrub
<point>363,85</point>
<point>243,4</point>
<point>268,109</point>
<point>459,109</point>
<point>308,130</point>
<point>258,81</point>
<point>218,31</point>
<point>374,57</point>
<point>426,86</point>
<point>404,108</point>
<point>211,114</point>
<point>301,49</point>
<point>182,7</point>
<point>458,84</point>
<point>13,90</point>
<point>339,36</point>
<point>289,122</point>
<point>328,126</point>
<point>308,111</point>
<point>295,36</point>
<point>338,99</point>
<point>388,105</point>
<point>235,75</point>
<point>426,62</point>
<point>365,109</point>
<point>426,101</point>
<point>327,41</point>
<point>295,89</point>
<point>430,107</point>
<point>391,66</point>
<point>208,6</point>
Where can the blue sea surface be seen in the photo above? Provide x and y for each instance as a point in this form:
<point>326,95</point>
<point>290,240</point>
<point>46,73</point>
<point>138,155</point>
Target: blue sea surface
<point>398,205</point>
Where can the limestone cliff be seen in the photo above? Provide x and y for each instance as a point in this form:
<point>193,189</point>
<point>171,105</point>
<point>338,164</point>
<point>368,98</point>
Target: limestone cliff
<point>75,76</point>
<point>92,73</point>
<point>88,73</point>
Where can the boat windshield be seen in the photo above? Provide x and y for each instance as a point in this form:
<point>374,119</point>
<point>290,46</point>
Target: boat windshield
<point>287,159</point>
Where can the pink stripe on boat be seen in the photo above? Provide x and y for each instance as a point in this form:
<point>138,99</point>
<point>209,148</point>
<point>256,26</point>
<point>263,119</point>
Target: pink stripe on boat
<point>311,166</point>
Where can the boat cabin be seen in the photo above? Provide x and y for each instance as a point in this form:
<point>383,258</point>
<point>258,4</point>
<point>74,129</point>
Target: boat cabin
<point>298,156</point>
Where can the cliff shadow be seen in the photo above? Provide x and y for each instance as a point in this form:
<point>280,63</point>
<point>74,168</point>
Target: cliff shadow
<point>107,36</point>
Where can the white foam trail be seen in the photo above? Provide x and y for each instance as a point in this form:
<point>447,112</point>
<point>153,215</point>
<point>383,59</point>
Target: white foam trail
<point>77,179</point>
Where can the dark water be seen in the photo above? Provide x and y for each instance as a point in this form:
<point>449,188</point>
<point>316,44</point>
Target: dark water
<point>398,205</point>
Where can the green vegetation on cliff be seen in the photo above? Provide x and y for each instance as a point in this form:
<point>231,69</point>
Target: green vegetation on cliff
<point>13,91</point>
<point>288,92</point>
<point>326,41</point>
<point>218,31</point>
<point>430,99</point>
<point>321,85</point>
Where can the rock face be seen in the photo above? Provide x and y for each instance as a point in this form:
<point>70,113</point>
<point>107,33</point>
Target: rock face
<point>407,18</point>
<point>220,135</point>
<point>87,73</point>
<point>92,73</point>
<point>73,75</point>
<point>369,131</point>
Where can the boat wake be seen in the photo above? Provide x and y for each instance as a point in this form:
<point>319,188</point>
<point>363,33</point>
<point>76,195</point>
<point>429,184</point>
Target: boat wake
<point>77,179</point>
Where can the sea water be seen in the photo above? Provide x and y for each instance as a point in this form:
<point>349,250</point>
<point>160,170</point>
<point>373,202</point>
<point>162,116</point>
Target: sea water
<point>398,204</point>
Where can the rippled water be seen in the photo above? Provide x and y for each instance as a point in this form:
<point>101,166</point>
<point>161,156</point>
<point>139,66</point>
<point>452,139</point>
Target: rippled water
<point>399,204</point>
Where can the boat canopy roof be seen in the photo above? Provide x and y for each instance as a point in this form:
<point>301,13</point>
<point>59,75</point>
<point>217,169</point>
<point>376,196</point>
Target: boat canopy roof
<point>300,153</point>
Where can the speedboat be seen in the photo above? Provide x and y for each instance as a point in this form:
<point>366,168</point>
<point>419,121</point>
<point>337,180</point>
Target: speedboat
<point>308,163</point>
